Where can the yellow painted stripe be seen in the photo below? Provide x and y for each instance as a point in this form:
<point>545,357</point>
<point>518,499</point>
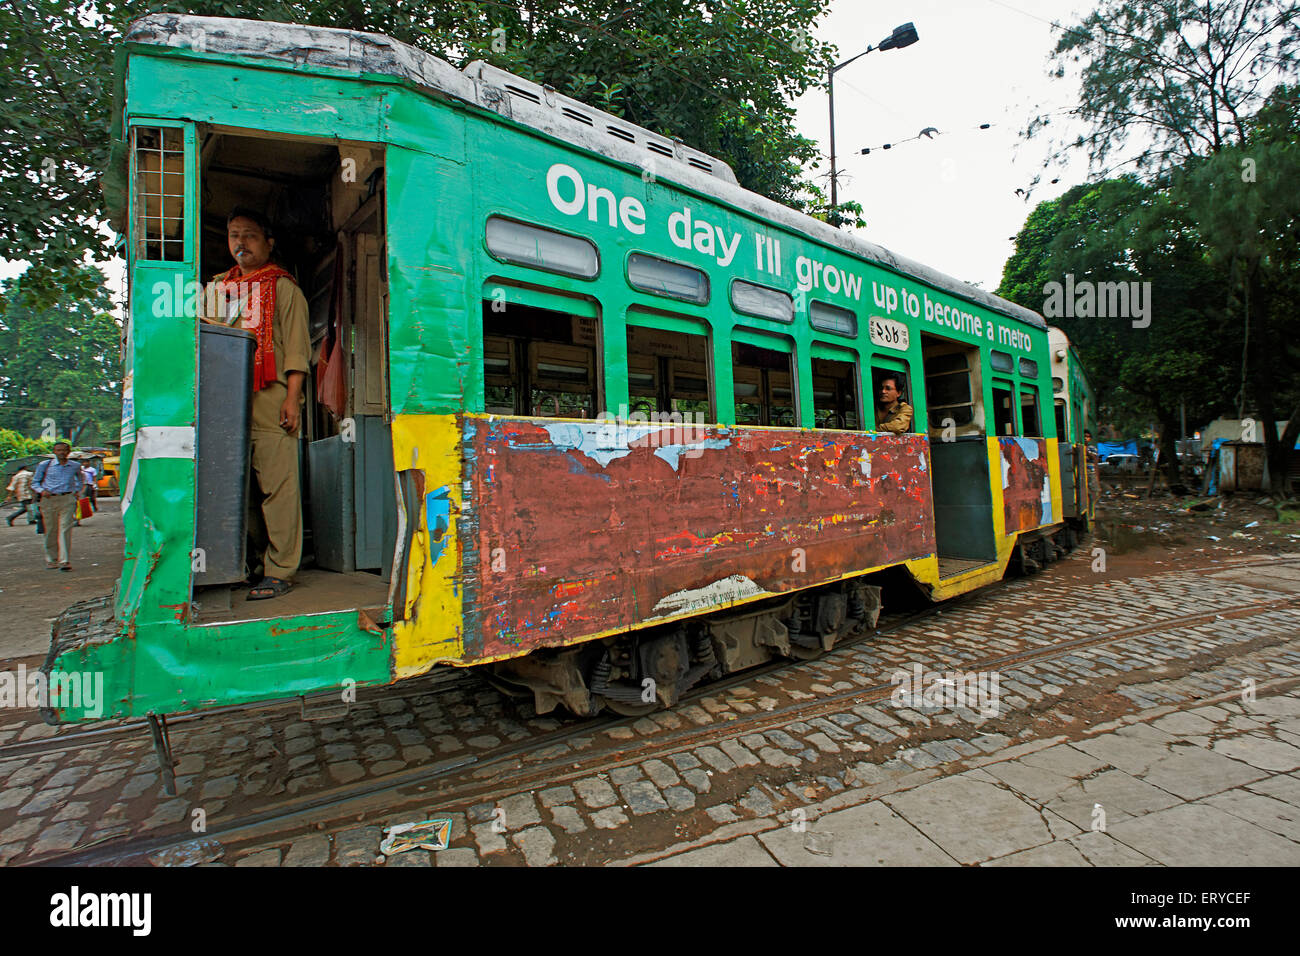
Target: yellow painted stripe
<point>432,629</point>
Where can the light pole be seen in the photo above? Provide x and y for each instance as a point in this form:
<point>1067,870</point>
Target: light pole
<point>902,36</point>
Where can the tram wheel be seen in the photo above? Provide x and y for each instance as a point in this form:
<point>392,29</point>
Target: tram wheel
<point>627,709</point>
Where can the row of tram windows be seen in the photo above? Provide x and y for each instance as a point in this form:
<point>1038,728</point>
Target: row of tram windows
<point>544,363</point>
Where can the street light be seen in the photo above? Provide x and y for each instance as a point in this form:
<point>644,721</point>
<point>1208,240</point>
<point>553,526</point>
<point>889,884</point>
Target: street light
<point>902,36</point>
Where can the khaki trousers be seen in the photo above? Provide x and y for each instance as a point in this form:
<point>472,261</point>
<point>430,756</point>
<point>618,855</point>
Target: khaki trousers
<point>279,523</point>
<point>60,516</point>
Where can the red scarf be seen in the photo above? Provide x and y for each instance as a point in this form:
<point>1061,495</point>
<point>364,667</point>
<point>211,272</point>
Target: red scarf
<point>257,290</point>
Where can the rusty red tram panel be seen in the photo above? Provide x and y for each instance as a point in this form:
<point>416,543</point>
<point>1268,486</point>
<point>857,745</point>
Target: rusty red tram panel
<point>1026,483</point>
<point>574,528</point>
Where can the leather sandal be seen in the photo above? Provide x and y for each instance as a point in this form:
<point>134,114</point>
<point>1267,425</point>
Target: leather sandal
<point>269,588</point>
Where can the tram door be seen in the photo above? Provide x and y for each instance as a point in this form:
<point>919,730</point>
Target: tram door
<point>959,460</point>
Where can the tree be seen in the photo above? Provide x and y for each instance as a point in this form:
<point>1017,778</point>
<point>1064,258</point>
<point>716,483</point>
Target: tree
<point>1184,74</point>
<point>60,372</point>
<point>1246,199</point>
<point>720,76</point>
<point>1196,83</point>
<point>1123,230</point>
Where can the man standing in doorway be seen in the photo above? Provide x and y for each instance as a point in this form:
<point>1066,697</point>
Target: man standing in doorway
<point>258,295</point>
<point>892,414</point>
<point>57,483</point>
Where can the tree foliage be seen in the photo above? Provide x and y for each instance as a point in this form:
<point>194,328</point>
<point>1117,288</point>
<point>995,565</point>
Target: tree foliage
<point>1184,76</point>
<point>60,370</point>
<point>720,76</point>
<point>1198,88</point>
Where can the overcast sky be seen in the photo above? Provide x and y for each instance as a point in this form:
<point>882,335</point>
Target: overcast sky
<point>949,202</point>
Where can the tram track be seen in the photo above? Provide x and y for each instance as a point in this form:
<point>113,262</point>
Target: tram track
<point>462,677</point>
<point>474,779</point>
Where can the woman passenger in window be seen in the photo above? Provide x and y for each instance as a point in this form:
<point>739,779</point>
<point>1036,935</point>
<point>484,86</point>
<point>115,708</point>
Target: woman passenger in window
<point>892,413</point>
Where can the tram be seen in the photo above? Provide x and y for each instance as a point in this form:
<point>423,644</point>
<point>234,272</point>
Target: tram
<point>610,423</point>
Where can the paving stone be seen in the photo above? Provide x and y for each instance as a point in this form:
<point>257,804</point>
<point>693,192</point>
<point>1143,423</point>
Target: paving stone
<point>620,733</point>
<point>679,798</point>
<point>380,752</point>
<point>357,845</point>
<point>972,820</point>
<point>940,751</point>
<point>45,800</point>
<point>722,813</point>
<point>823,743</point>
<point>416,858</point>
<point>782,739</point>
<point>698,780</point>
<point>569,818</point>
<point>489,841</point>
<point>778,758</point>
<point>595,792</point>
<point>1196,834</point>
<point>554,796</point>
<point>100,781</point>
<point>460,856</point>
<point>312,849</point>
<point>1260,751</point>
<point>685,761</point>
<point>10,798</point>
<point>482,812</point>
<point>346,771</point>
<point>66,777</point>
<point>745,852</point>
<point>269,857</point>
<point>753,741</point>
<point>621,775</point>
<point>716,759</point>
<point>1271,814</point>
<point>991,743</point>
<point>695,715</point>
<point>21,831</point>
<point>484,742</point>
<point>72,811</point>
<point>867,835</point>
<point>609,818</point>
<point>757,802</point>
<point>57,838</point>
<point>864,774</point>
<point>1283,787</point>
<point>520,811</point>
<point>219,788</point>
<point>642,797</point>
<point>537,844</point>
<point>738,753</point>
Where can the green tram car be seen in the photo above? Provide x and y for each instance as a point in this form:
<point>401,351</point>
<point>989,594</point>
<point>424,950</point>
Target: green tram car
<point>610,418</point>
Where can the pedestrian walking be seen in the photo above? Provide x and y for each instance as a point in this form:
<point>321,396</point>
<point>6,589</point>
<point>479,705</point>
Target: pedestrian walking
<point>88,495</point>
<point>57,483</point>
<point>20,488</point>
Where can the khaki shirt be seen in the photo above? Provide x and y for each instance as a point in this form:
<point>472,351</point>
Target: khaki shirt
<point>897,418</point>
<point>292,343</point>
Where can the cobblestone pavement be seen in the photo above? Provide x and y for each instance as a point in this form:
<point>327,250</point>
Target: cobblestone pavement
<point>1119,718</point>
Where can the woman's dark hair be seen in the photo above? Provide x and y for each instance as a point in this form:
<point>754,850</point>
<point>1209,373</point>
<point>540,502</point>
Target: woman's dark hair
<point>244,212</point>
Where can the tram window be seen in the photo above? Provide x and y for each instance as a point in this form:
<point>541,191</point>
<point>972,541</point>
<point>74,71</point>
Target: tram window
<point>764,390</point>
<point>1004,413</point>
<point>1060,420</point>
<point>878,376</point>
<point>758,300</point>
<point>538,362</point>
<point>160,192</point>
<point>669,372</point>
<point>948,390</point>
<point>527,245</point>
<point>1031,423</point>
<point>671,279</point>
<point>1058,384</point>
<point>831,318</point>
<point>835,394</point>
<point>1028,368</point>
<point>1001,361</point>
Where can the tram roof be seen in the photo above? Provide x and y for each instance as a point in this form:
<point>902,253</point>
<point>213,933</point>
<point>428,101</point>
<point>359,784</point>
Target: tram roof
<point>528,103</point>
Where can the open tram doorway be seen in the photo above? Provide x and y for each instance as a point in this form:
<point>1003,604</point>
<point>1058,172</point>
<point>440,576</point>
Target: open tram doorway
<point>324,201</point>
<point>959,460</point>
